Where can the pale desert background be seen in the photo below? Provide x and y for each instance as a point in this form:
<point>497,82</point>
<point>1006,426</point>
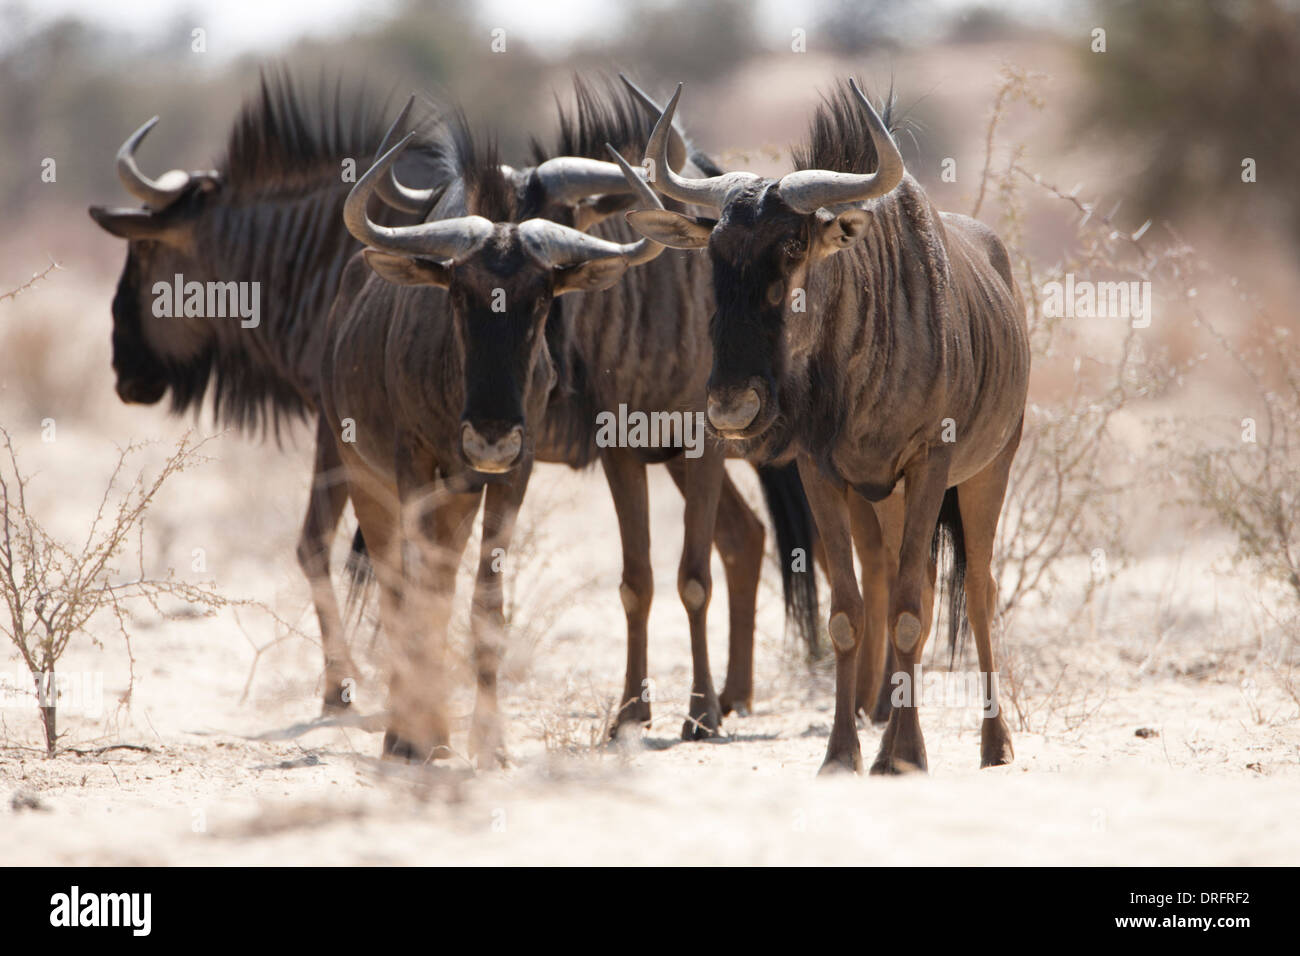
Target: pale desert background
<point>1153,699</point>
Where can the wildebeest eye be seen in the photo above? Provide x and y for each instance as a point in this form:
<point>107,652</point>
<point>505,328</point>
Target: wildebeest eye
<point>775,293</point>
<point>793,249</point>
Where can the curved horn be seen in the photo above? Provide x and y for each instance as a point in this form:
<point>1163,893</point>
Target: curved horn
<point>677,152</point>
<point>558,246</point>
<point>157,193</point>
<point>809,189</point>
<point>568,179</point>
<point>711,192</point>
<point>440,239</point>
<point>389,189</point>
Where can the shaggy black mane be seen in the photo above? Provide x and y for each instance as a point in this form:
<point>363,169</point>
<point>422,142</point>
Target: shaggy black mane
<point>477,161</point>
<point>838,137</point>
<point>604,111</point>
<point>278,217</point>
<point>284,138</point>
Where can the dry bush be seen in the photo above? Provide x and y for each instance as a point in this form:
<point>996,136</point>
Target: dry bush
<point>53,591</point>
<point>1245,470</point>
<point>1074,483</point>
<point>1071,474</point>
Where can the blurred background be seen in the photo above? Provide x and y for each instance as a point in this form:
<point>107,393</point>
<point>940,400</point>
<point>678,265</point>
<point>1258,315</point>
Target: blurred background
<point>1161,119</point>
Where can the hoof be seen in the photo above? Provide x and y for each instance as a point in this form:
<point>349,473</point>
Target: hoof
<point>397,747</point>
<point>332,708</point>
<point>488,750</point>
<point>635,715</point>
<point>886,765</point>
<point>995,744</point>
<point>844,762</point>
<point>704,721</point>
<point>494,759</point>
<point>742,705</point>
<point>337,700</point>
<point>705,727</point>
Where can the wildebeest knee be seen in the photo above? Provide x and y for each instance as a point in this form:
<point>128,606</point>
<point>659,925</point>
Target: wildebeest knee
<point>842,632</point>
<point>636,592</point>
<point>693,592</point>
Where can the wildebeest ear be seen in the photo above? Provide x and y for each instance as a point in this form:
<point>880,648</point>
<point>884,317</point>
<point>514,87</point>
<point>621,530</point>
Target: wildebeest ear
<point>672,229</point>
<point>130,223</point>
<point>407,270</point>
<point>591,276</point>
<point>842,231</point>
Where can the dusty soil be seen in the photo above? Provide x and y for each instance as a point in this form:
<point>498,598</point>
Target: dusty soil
<point>237,772</point>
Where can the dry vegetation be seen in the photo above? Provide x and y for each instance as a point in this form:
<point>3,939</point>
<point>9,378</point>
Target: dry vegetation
<point>53,590</point>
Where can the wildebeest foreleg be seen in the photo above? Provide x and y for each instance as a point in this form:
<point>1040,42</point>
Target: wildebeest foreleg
<point>329,494</point>
<point>695,586</point>
<point>625,473</point>
<point>739,536</point>
<point>879,571</point>
<point>435,525</point>
<point>831,512</point>
<point>376,506</point>
<point>902,747</point>
<point>487,621</point>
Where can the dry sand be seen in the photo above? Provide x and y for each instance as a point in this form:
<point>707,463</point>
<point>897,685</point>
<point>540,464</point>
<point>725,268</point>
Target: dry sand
<point>233,776</point>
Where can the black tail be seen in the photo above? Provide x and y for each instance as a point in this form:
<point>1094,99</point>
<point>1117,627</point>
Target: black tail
<point>796,539</point>
<point>949,542</point>
<point>360,572</point>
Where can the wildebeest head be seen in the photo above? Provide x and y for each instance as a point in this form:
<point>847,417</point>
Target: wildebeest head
<point>767,235</point>
<point>501,279</point>
<point>160,239</point>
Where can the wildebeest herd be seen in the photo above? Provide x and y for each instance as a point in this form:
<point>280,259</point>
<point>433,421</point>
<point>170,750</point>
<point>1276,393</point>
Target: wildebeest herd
<point>448,320</point>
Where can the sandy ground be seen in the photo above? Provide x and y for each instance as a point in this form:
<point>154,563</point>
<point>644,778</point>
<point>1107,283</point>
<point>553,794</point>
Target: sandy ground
<point>235,772</point>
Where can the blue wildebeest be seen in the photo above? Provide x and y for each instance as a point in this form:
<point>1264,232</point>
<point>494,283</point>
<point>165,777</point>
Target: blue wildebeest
<point>612,348</point>
<point>438,365</point>
<point>272,214</point>
<point>878,341</point>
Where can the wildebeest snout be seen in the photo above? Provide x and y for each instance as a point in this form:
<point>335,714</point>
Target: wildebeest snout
<point>494,449</point>
<point>733,410</point>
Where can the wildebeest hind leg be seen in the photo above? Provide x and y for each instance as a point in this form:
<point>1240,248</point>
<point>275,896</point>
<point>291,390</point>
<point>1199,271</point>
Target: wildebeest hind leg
<point>739,536</point>
<point>625,473</point>
<point>329,494</point>
<point>980,501</point>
